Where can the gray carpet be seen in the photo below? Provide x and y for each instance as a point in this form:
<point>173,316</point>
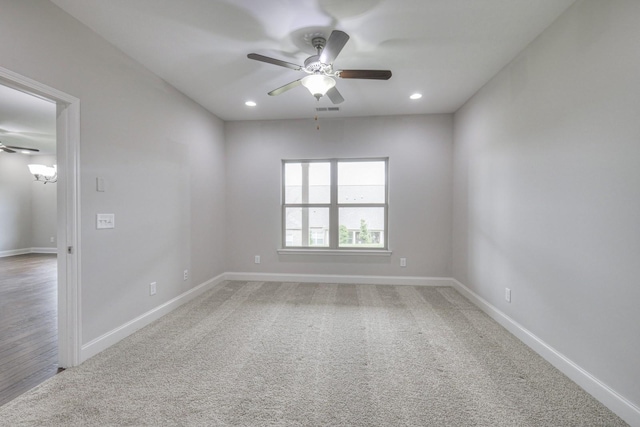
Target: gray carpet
<point>288,354</point>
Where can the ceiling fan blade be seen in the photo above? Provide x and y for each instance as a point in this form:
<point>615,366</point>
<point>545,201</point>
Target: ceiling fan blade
<point>365,74</point>
<point>274,61</point>
<point>335,96</point>
<point>334,45</point>
<point>285,88</point>
<point>22,148</point>
<point>7,150</point>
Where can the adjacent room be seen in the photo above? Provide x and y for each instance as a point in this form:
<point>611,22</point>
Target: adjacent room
<point>367,212</point>
<point>28,233</point>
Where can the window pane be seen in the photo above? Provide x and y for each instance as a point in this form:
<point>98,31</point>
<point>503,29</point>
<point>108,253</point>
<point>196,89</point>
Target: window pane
<point>361,182</point>
<point>307,227</point>
<point>307,182</point>
<point>361,227</point>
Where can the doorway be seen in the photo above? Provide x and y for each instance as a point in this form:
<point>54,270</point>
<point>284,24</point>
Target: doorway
<point>28,232</point>
<point>67,249</point>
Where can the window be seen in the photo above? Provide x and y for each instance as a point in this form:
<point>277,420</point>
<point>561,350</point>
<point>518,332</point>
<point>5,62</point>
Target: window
<point>335,204</point>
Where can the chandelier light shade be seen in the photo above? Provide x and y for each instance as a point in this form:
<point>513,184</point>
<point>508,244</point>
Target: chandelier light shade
<point>44,173</point>
<point>318,84</point>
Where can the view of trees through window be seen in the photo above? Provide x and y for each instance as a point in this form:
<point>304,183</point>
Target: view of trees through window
<point>352,194</point>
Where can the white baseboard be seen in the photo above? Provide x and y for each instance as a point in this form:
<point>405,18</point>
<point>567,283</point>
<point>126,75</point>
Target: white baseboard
<point>607,396</point>
<point>337,278</point>
<point>95,346</point>
<point>14,252</point>
<point>44,250</point>
<point>24,251</point>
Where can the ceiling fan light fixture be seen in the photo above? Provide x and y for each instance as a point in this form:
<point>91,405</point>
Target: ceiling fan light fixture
<point>318,84</point>
<point>44,173</point>
<point>37,169</point>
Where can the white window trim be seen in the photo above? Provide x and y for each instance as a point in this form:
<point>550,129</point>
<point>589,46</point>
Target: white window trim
<point>333,248</point>
<point>333,252</point>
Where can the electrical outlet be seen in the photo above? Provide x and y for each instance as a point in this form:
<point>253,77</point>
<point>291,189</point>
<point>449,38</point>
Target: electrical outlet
<point>403,262</point>
<point>257,259</point>
<point>152,288</point>
<point>185,275</point>
<point>52,239</point>
<point>105,221</point>
<point>507,294</point>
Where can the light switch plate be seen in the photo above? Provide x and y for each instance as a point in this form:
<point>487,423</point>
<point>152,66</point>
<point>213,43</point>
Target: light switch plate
<point>105,221</point>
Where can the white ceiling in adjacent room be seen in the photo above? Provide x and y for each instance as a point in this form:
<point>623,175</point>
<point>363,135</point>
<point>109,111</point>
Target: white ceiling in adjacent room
<point>27,121</point>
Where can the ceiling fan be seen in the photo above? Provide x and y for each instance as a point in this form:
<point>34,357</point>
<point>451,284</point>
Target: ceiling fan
<point>13,148</point>
<point>320,80</point>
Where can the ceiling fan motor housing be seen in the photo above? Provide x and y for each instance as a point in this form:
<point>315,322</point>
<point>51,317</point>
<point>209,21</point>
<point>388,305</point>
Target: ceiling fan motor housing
<point>318,43</point>
<point>313,65</point>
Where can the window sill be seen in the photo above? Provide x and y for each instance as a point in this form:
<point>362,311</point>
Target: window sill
<point>338,252</point>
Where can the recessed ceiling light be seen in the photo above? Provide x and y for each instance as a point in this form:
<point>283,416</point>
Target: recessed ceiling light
<point>250,104</point>
<point>416,96</point>
<point>25,152</point>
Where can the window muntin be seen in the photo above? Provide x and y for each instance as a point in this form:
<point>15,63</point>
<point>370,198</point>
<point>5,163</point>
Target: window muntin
<point>335,203</point>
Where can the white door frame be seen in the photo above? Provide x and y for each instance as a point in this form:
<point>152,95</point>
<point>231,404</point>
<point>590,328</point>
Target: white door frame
<point>68,211</point>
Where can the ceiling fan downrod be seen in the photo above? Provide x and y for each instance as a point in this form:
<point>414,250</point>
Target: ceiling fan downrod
<point>318,43</point>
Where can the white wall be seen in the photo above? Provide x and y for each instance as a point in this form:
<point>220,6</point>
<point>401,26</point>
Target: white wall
<point>161,155</point>
<point>43,208</point>
<point>419,150</point>
<point>27,208</point>
<point>547,190</point>
<point>15,203</point>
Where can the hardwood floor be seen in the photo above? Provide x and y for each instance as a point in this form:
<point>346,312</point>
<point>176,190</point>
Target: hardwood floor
<point>28,322</point>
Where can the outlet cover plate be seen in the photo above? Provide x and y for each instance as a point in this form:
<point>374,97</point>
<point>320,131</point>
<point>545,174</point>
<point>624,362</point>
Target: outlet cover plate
<point>105,221</point>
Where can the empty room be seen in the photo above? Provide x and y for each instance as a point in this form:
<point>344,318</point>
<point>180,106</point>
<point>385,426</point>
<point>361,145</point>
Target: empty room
<point>320,212</point>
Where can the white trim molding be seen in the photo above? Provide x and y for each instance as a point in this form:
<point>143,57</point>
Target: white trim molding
<point>339,252</point>
<point>603,393</point>
<point>43,250</point>
<point>24,251</point>
<point>105,341</point>
<point>336,278</point>
<point>68,210</point>
<point>14,252</point>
